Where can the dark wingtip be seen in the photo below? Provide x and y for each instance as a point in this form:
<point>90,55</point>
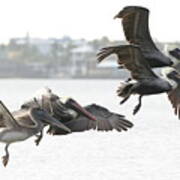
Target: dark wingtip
<point>128,123</point>
<point>123,124</point>
<point>103,53</point>
<point>129,10</point>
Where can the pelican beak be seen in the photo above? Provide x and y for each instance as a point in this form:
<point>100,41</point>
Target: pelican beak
<point>119,15</point>
<point>71,103</point>
<point>116,16</point>
<point>52,121</point>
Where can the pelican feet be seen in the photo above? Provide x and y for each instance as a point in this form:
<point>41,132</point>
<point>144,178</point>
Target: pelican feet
<point>136,109</point>
<point>5,160</point>
<point>37,141</point>
<point>124,100</point>
<point>39,137</point>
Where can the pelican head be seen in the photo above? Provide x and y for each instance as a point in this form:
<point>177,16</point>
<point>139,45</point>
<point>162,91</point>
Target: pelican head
<point>41,97</point>
<point>72,104</point>
<point>175,53</point>
<point>169,72</point>
<point>44,92</point>
<point>129,10</point>
<point>171,75</point>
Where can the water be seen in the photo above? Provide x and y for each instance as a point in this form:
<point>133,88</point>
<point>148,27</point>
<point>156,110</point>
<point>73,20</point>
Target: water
<point>150,150</point>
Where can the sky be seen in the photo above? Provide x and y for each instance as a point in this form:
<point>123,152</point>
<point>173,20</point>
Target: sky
<point>89,19</point>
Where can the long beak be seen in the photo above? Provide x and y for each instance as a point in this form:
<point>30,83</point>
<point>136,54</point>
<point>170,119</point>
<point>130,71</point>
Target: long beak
<point>119,15</point>
<point>52,121</point>
<point>78,108</point>
<point>116,16</point>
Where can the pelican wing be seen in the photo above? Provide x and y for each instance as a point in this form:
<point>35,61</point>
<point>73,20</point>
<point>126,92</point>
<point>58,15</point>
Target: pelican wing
<point>135,21</point>
<point>6,118</point>
<point>131,57</point>
<point>174,97</point>
<point>106,121</point>
<point>23,118</point>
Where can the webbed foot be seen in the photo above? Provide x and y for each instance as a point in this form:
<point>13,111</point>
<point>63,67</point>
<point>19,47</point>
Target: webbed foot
<point>136,109</point>
<point>5,160</point>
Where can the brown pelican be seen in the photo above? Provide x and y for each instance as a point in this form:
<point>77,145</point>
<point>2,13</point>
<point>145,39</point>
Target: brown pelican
<point>106,121</point>
<point>50,102</point>
<point>135,21</point>
<point>146,81</point>
<point>22,118</point>
<point>13,130</point>
<point>78,118</point>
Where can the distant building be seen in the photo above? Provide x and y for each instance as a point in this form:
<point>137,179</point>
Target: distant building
<point>79,66</point>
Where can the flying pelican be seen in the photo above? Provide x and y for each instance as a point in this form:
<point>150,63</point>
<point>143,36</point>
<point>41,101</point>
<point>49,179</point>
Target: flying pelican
<point>21,114</point>
<point>78,118</point>
<point>13,131</point>
<point>106,121</point>
<point>50,102</point>
<point>135,22</point>
<point>146,82</point>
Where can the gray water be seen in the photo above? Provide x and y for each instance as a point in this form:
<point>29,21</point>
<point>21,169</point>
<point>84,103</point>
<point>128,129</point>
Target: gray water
<point>148,151</point>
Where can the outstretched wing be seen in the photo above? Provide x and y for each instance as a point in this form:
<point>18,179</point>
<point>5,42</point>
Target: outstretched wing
<point>130,56</point>
<point>135,21</point>
<point>174,97</point>
<point>6,118</point>
<point>106,121</point>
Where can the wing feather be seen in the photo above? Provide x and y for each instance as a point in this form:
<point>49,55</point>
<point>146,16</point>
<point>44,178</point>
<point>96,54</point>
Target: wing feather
<point>6,118</point>
<point>135,21</point>
<point>174,97</point>
<point>132,58</point>
<point>23,118</point>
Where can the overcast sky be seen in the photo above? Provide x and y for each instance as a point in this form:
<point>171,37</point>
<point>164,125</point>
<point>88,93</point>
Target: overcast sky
<point>88,19</point>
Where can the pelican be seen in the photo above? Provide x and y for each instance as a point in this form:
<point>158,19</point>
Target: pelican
<point>50,102</point>
<point>12,130</point>
<point>106,121</point>
<point>145,81</point>
<point>135,22</point>
<point>21,115</point>
<point>78,118</point>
